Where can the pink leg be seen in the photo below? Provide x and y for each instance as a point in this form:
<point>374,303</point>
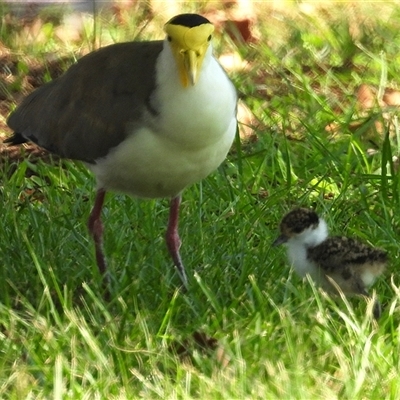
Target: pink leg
<point>96,230</point>
<point>173,240</point>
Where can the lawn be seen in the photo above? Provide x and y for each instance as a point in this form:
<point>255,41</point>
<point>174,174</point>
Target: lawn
<point>321,86</point>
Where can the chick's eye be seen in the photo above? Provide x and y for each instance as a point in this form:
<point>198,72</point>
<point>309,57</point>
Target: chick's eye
<point>209,38</point>
<point>169,38</point>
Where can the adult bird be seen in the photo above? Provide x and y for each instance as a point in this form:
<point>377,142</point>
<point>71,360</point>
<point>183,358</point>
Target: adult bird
<point>148,118</point>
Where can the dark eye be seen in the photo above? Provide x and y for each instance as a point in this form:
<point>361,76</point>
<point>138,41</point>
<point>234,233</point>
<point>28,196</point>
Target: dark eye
<point>169,38</point>
<point>209,38</point>
<point>297,229</point>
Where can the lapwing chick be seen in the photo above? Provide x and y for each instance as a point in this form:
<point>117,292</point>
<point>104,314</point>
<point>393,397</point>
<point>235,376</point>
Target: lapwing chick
<point>353,266</point>
<point>148,118</point>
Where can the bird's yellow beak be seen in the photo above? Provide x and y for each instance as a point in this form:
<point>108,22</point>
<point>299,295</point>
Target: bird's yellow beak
<point>191,65</point>
<point>189,46</point>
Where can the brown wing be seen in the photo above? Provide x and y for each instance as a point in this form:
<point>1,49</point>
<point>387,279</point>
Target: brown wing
<point>337,253</point>
<point>85,112</point>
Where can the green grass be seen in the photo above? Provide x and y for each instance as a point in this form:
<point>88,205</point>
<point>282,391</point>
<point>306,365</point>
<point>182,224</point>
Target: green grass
<point>284,338</point>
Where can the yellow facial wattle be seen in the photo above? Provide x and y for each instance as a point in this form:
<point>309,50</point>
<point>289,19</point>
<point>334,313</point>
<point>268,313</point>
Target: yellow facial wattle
<point>189,46</point>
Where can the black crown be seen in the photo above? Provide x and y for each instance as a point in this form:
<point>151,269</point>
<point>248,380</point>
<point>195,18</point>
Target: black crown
<point>189,20</point>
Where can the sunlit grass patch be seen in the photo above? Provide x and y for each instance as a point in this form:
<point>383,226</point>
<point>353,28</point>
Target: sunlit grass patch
<point>315,144</point>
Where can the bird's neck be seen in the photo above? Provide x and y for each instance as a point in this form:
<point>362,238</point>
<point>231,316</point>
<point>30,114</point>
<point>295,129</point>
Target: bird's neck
<point>316,236</point>
<point>298,248</point>
<point>312,237</point>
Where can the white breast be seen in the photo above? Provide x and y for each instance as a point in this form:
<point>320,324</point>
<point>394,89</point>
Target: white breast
<point>297,251</point>
<point>186,142</point>
<point>200,114</point>
<point>297,254</point>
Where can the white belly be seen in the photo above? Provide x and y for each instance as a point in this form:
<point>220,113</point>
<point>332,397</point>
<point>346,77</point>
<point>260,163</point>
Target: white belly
<point>150,165</point>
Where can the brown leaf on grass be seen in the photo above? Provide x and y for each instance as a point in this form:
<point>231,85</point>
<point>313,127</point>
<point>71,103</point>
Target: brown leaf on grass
<point>367,100</point>
<point>237,18</point>
<point>391,97</point>
<point>33,32</point>
<point>203,343</point>
<point>366,97</point>
<point>372,131</point>
<point>241,20</point>
<point>31,195</point>
<point>240,30</point>
<point>4,50</point>
<point>21,152</point>
<point>11,156</point>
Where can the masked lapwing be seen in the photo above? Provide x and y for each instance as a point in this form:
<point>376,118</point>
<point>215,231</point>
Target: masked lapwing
<point>148,118</point>
<point>332,262</point>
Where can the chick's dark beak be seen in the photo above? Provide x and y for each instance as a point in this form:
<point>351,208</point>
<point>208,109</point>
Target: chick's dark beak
<point>280,240</point>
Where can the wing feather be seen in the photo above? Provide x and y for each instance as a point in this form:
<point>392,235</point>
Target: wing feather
<point>340,252</point>
<point>86,111</point>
